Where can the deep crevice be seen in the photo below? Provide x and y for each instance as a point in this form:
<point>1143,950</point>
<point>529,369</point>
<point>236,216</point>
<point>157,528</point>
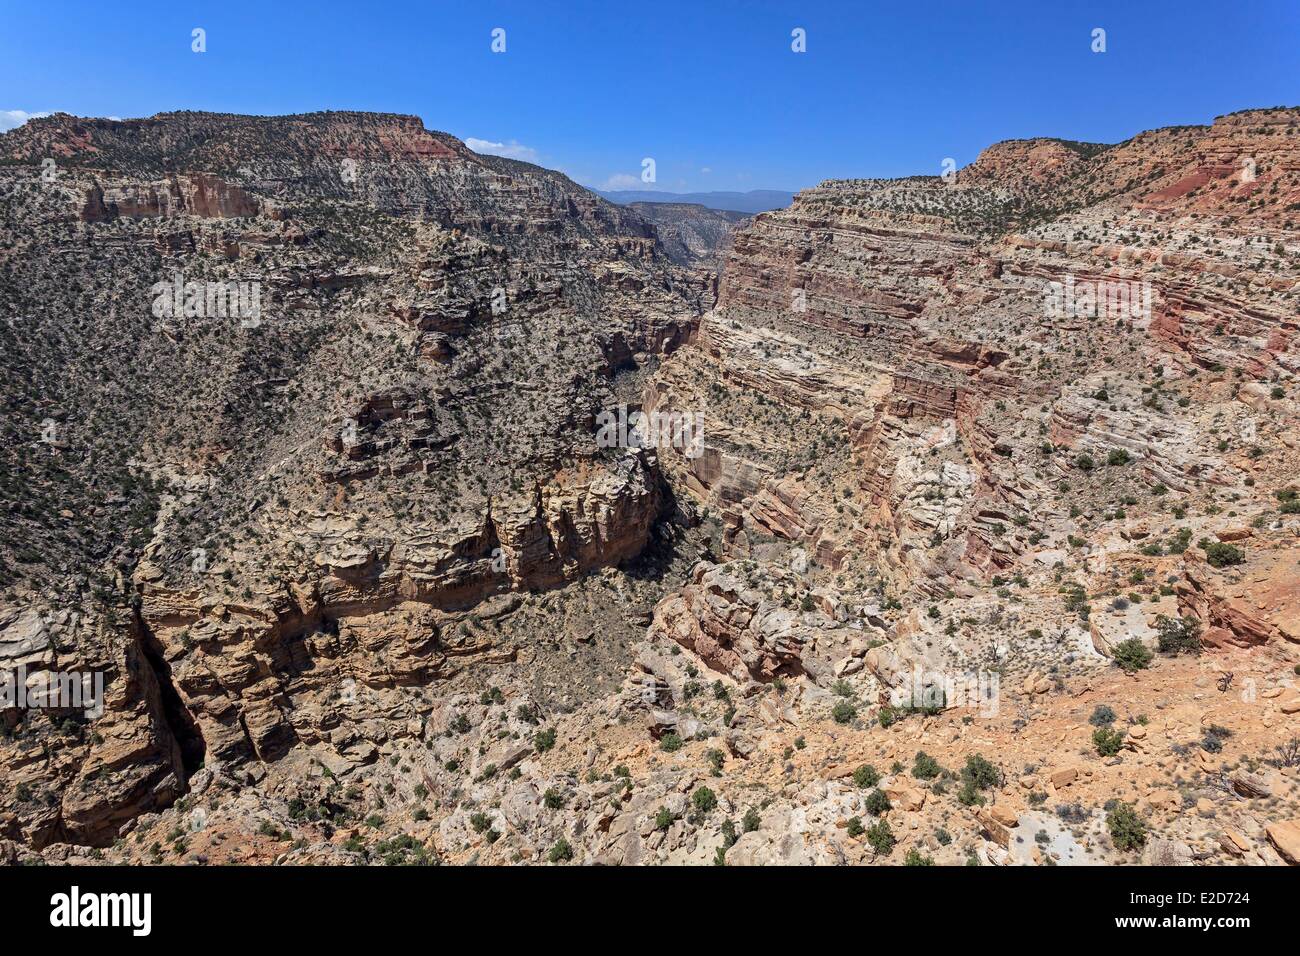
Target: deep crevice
<point>179,720</point>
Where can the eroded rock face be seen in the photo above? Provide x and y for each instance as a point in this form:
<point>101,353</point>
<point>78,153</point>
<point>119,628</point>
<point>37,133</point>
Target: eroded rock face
<point>1263,610</point>
<point>751,624</point>
<point>259,675</point>
<point>951,351</point>
<point>199,195</point>
<point>1285,836</point>
<point>100,757</point>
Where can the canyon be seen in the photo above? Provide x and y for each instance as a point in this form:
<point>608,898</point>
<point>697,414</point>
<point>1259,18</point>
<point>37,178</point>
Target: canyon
<point>987,553</point>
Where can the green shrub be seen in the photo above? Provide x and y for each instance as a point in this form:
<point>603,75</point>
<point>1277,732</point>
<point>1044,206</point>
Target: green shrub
<point>1132,655</point>
<point>969,794</point>
<point>404,850</point>
<point>925,767</point>
<point>915,858</point>
<point>1108,741</point>
<point>865,776</point>
<point>981,772</point>
<point>1126,827</point>
<point>1117,456</point>
<point>715,758</point>
<point>751,821</point>
<point>704,800</point>
<point>544,740</point>
<point>560,852</point>
<point>877,803</point>
<point>856,828</point>
<point>1178,635</point>
<point>881,837</point>
<point>670,742</point>
<point>729,835</point>
<point>664,818</point>
<point>1217,733</point>
<point>843,712</point>
<point>1220,554</point>
<point>1102,716</point>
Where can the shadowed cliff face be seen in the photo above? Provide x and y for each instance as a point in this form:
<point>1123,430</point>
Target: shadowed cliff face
<point>690,232</point>
<point>307,432</point>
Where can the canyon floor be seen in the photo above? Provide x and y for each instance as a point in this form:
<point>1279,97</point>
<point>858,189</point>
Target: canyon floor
<point>962,525</point>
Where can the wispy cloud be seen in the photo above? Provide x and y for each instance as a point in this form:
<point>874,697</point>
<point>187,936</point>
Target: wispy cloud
<point>622,181</point>
<point>12,119</point>
<point>510,150</point>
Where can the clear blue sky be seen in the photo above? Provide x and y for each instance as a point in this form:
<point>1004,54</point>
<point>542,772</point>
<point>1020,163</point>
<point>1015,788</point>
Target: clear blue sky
<point>591,88</point>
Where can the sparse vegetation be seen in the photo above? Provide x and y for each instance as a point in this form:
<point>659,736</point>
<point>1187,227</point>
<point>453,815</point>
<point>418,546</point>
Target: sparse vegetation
<point>1132,655</point>
<point>881,837</point>
<point>1178,635</point>
<point>1107,741</point>
<point>1127,830</point>
<point>1219,554</point>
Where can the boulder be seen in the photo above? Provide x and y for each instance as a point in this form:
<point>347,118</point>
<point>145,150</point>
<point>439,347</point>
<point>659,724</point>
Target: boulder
<point>1285,837</point>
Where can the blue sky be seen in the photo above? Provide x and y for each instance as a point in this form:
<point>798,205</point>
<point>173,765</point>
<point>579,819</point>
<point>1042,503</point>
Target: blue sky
<point>711,90</point>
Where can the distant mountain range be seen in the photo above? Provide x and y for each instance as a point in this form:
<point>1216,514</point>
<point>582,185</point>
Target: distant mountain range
<point>756,200</point>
